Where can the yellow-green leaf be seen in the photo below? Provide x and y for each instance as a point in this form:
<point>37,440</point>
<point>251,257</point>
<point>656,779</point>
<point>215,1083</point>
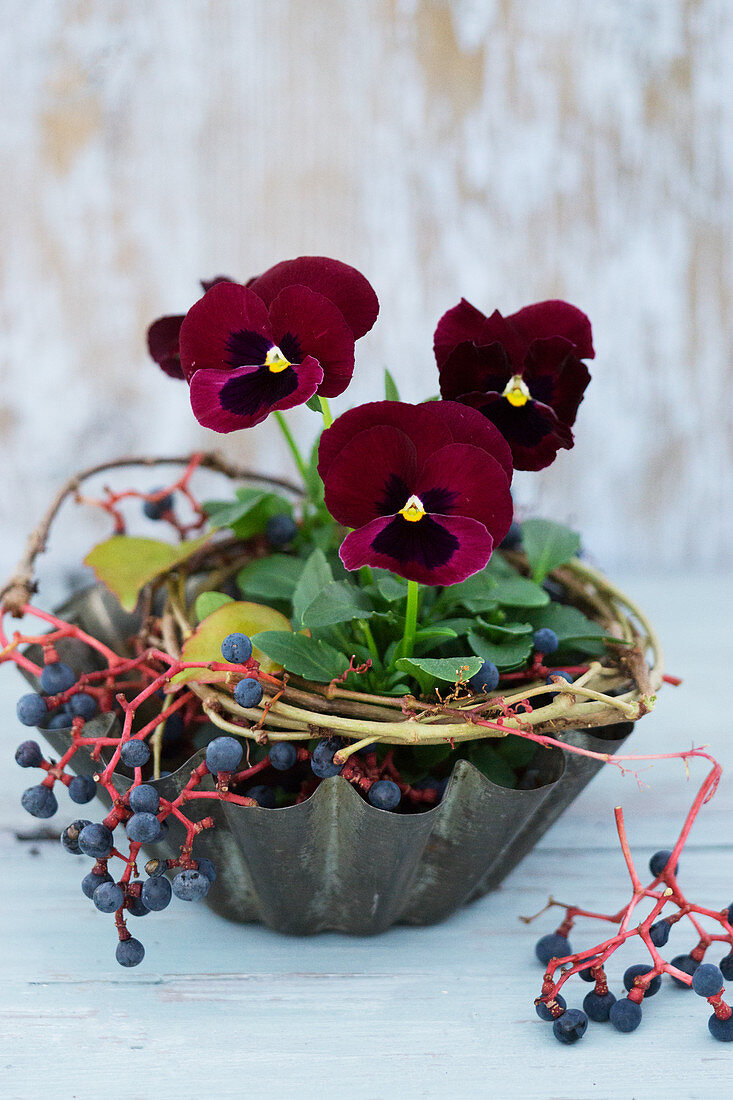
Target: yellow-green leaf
<point>238,617</point>
<point>126,564</point>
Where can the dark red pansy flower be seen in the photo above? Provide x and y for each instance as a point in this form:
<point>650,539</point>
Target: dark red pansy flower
<point>426,488</point>
<point>523,372</point>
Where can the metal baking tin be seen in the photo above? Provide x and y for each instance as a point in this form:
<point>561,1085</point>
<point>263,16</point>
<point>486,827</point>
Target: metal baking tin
<point>334,862</point>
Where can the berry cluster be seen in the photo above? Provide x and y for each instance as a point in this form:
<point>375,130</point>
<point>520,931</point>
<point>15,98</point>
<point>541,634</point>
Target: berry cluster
<point>641,980</point>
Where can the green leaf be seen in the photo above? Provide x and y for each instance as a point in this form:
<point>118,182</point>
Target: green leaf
<point>477,593</point>
<point>517,751</point>
<point>301,655</point>
<point>506,656</point>
<point>314,578</point>
<point>234,617</point>
<point>519,592</point>
<point>391,392</point>
<point>569,624</point>
<point>451,669</point>
<point>506,631</point>
<point>338,602</point>
<point>548,544</point>
<point>314,404</point>
<point>429,756</point>
<point>208,602</point>
<point>249,513</point>
<point>390,588</point>
<point>488,761</point>
<point>271,578</point>
<point>126,564</point>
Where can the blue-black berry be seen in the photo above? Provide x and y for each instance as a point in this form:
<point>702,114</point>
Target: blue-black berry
<point>722,1030</point>
<point>543,1011</point>
<point>82,789</point>
<point>156,893</point>
<point>61,720</point>
<point>136,907</point>
<point>283,756</point>
<point>156,509</point>
<point>155,867</point>
<point>236,648</point>
<point>206,867</point>
<point>545,640</point>
<point>190,886</point>
<point>322,758</point>
<point>586,974</point>
<point>144,799</point>
<point>280,530</point>
<point>597,1006</point>
<point>134,753</point>
<point>109,897</point>
<point>39,801</point>
<point>263,796</point>
<point>31,709</point>
<point>96,840</point>
<point>637,971</point>
<point>563,676</point>
<point>173,729</point>
<point>57,677</point>
<point>553,946</point>
<point>726,967</point>
<point>83,706</point>
<point>248,692</point>
<point>223,754</point>
<point>687,965</point>
<point>625,1015</point>
<point>143,828</point>
<point>28,754</point>
<point>659,861</point>
<point>91,881</point>
<point>571,1026</point>
<point>486,679</point>
<point>130,952</point>
<point>70,837</point>
<point>385,795</point>
<point>659,932</point>
<point>707,980</point>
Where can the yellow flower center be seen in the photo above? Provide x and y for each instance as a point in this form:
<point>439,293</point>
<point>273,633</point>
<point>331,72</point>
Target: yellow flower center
<point>516,391</point>
<point>276,361</point>
<point>413,510</point>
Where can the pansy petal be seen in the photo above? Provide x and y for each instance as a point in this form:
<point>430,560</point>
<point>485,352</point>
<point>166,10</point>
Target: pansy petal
<point>220,328</point>
<point>465,425</point>
<point>533,431</point>
<point>460,324</point>
<point>470,367</point>
<point>343,285</point>
<point>434,550</point>
<point>397,414</point>
<point>163,337</point>
<point>372,476</point>
<point>556,377</point>
<point>461,480</point>
<point>319,329</point>
<point>229,400</point>
<point>555,318</point>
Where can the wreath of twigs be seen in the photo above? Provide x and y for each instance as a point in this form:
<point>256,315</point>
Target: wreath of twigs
<point>619,687</point>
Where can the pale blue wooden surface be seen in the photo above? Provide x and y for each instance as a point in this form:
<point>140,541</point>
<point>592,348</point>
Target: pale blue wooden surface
<point>219,1010</point>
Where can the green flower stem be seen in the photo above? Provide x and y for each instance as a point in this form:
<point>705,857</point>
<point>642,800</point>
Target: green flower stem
<point>299,461</point>
<point>365,574</point>
<point>327,417</point>
<point>369,637</point>
<point>408,638</point>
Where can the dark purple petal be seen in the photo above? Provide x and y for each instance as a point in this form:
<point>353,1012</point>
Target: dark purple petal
<point>533,431</point>
<point>470,368</point>
<point>460,324</point>
<point>472,483</point>
<point>215,325</point>
<point>318,328</point>
<point>366,478</point>
<point>556,377</point>
<point>343,285</point>
<point>433,550</point>
<point>555,318</point>
<point>163,337</point>
<point>464,426</point>
<point>206,284</point>
<point>229,400</point>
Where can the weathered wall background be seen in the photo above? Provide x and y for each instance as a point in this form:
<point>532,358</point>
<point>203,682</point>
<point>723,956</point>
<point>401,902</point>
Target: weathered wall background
<point>507,150</point>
